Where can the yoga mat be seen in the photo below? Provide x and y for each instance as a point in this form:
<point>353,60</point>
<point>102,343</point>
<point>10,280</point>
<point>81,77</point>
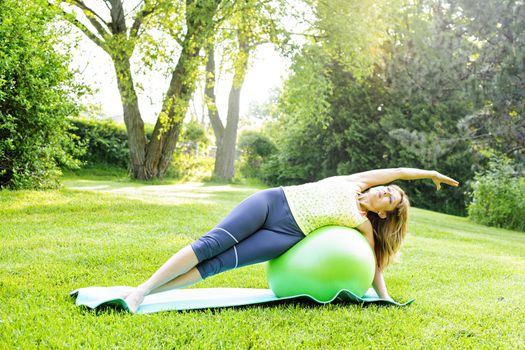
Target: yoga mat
<point>206,298</point>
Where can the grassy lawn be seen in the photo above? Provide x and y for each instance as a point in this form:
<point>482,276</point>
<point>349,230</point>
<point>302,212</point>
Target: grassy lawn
<point>468,280</point>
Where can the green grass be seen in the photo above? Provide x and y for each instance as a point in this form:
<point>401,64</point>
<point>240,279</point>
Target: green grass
<point>468,280</point>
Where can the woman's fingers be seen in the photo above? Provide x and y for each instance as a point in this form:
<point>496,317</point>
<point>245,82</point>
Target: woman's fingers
<point>440,178</point>
<point>450,181</point>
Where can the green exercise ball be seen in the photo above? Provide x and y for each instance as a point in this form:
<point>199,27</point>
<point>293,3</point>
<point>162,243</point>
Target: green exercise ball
<point>327,260</point>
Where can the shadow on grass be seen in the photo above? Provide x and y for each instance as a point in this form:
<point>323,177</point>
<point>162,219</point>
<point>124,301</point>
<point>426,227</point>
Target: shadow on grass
<point>182,193</point>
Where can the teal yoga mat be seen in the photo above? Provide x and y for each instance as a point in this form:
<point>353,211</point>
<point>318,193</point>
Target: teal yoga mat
<point>206,298</point>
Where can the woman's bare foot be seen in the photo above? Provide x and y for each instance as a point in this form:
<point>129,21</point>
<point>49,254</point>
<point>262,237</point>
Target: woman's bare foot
<point>135,298</point>
<point>125,294</point>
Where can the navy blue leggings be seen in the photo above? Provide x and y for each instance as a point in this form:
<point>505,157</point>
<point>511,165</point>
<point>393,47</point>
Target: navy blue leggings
<point>259,229</point>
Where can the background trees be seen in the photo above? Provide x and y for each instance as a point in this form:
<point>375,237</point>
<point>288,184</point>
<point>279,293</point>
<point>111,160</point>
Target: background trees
<point>441,87</point>
<point>434,84</point>
<point>497,29</point>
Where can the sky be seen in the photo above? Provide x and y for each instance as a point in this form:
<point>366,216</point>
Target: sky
<point>266,72</point>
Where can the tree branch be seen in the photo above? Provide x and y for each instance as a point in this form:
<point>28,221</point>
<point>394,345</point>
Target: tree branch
<point>209,94</point>
<point>118,20</point>
<point>94,18</point>
<point>106,2</point>
<point>88,33</point>
<point>138,21</point>
<point>71,18</point>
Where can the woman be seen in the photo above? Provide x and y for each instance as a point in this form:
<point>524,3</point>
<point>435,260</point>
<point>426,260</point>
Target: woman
<point>270,222</point>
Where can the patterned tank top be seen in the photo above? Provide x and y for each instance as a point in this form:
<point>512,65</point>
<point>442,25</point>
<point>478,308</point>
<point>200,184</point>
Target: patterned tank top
<point>332,201</point>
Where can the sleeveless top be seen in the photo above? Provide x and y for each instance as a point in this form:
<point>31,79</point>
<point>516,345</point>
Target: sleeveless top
<point>332,201</point>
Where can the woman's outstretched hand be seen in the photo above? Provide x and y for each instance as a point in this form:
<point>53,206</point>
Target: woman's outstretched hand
<point>439,178</point>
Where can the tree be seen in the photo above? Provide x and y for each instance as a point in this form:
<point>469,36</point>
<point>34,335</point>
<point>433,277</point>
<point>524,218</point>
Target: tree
<point>122,34</point>
<point>326,113</point>
<point>497,30</point>
<point>427,78</point>
<point>37,95</point>
<point>226,135</point>
<point>251,24</point>
<point>353,32</point>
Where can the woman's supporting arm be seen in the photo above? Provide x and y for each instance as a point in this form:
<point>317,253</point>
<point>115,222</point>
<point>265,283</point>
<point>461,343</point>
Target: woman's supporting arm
<point>377,177</point>
<point>379,283</point>
<point>380,286</point>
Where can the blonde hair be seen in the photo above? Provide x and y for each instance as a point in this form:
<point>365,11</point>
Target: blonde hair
<point>390,232</point>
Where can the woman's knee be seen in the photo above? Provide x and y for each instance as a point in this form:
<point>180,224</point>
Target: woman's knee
<point>212,244</point>
<point>216,265</point>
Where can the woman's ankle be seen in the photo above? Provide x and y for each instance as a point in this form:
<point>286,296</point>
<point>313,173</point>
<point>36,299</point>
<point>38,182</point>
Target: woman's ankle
<point>144,288</point>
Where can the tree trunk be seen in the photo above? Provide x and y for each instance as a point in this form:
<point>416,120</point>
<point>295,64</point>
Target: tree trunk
<point>159,151</point>
<point>167,129</point>
<point>226,137</point>
<point>132,118</point>
<point>226,150</point>
<point>121,54</point>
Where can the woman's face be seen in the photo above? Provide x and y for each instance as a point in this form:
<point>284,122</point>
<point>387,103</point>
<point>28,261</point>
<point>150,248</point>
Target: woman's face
<point>383,199</point>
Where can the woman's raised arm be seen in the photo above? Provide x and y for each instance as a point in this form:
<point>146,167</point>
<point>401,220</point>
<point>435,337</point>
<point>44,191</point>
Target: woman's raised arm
<point>377,177</point>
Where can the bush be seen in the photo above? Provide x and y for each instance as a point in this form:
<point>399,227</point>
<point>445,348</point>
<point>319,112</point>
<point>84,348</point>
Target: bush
<point>37,95</point>
<point>106,142</point>
<point>498,197</point>
<point>190,168</point>
<point>255,148</point>
<point>192,139</point>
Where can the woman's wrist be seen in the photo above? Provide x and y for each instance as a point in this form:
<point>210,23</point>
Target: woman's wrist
<point>417,174</point>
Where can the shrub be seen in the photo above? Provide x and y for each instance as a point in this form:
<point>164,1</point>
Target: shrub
<point>106,142</point>
<point>255,148</point>
<point>37,95</point>
<point>190,161</point>
<point>498,197</point>
<point>188,167</point>
<point>193,138</point>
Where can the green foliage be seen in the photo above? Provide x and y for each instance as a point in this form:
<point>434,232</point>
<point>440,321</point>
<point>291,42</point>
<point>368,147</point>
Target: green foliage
<point>413,111</point>
<point>106,142</point>
<point>427,95</point>
<point>498,196</point>
<point>96,172</point>
<point>353,31</point>
<point>497,63</point>
<point>255,147</point>
<point>302,121</point>
<point>194,136</point>
<point>189,160</point>
<point>37,94</point>
<point>189,167</point>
